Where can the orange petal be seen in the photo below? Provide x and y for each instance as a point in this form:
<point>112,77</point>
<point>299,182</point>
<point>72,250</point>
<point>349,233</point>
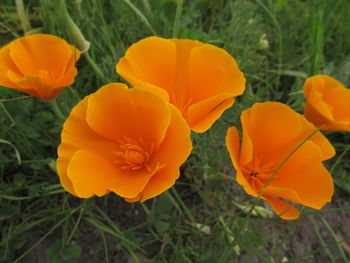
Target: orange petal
<point>327,103</point>
<point>148,63</point>
<point>282,208</point>
<point>213,71</point>
<point>306,176</point>
<point>160,182</point>
<point>271,125</point>
<point>115,111</point>
<point>232,144</point>
<point>37,52</point>
<point>176,145</point>
<point>6,64</point>
<point>90,174</point>
<point>246,154</point>
<point>339,99</point>
<point>318,139</point>
<point>76,134</point>
<point>201,116</point>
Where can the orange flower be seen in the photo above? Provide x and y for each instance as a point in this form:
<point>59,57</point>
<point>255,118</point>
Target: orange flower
<point>271,131</point>
<point>128,141</point>
<point>327,103</point>
<point>40,65</point>
<point>201,80</point>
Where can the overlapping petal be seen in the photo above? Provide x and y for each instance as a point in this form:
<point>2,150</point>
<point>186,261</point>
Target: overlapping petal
<point>40,65</point>
<point>271,131</point>
<point>201,80</point>
<point>327,103</point>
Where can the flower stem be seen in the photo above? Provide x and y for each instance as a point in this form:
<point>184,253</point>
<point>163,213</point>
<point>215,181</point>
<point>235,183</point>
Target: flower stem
<point>56,110</point>
<point>95,67</point>
<point>176,26</point>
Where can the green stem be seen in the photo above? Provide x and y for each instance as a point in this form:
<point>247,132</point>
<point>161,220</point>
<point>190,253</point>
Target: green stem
<point>13,122</point>
<point>176,27</point>
<point>142,17</point>
<point>46,235</point>
<point>95,67</point>
<point>56,110</point>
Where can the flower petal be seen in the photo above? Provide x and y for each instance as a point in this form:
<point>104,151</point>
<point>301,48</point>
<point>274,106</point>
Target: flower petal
<point>282,208</point>
<point>90,174</point>
<point>160,182</point>
<point>306,176</point>
<point>201,116</point>
<point>271,125</point>
<point>149,63</point>
<point>41,52</point>
<point>115,111</point>
<point>6,64</point>
<point>232,144</point>
<point>76,134</point>
<point>213,71</point>
<point>176,145</point>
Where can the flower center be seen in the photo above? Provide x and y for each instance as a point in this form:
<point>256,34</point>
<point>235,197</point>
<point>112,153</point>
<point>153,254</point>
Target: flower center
<point>45,76</point>
<point>132,154</point>
<point>257,173</point>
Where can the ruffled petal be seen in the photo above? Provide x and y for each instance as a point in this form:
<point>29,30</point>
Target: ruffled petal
<point>271,125</point>
<point>92,175</point>
<point>213,71</point>
<point>115,111</point>
<point>304,174</point>
<point>148,63</point>
<point>176,145</point>
<point>38,52</point>
<point>76,135</point>
<point>282,208</point>
<point>201,116</point>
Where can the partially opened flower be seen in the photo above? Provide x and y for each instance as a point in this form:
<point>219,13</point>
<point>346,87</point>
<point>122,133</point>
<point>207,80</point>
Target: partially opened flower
<point>328,103</point>
<point>128,141</point>
<point>201,80</point>
<point>40,65</point>
<point>270,132</point>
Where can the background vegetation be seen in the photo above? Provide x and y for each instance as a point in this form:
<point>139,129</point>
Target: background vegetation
<point>205,218</point>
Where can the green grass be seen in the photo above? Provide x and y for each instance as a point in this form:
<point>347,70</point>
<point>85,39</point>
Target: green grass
<point>202,219</point>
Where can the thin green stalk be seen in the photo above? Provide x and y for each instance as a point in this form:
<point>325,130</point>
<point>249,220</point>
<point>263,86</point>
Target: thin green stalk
<point>75,226</point>
<point>184,207</point>
<point>46,235</point>
<point>105,248</point>
<point>95,67</point>
<point>339,159</point>
<point>323,243</point>
<point>142,17</point>
<point>335,238</point>
<point>280,40</point>
<point>25,24</point>
<point>147,7</point>
<point>176,26</point>
<point>56,110</point>
<point>13,122</point>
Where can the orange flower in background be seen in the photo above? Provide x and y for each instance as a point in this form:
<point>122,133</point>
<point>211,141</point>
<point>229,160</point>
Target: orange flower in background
<point>128,141</point>
<point>40,65</point>
<point>270,132</point>
<point>327,103</point>
<point>201,80</point>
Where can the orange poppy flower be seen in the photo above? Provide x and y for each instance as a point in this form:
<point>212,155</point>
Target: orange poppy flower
<point>128,141</point>
<point>271,131</point>
<point>201,80</point>
<point>327,103</point>
<point>40,65</point>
